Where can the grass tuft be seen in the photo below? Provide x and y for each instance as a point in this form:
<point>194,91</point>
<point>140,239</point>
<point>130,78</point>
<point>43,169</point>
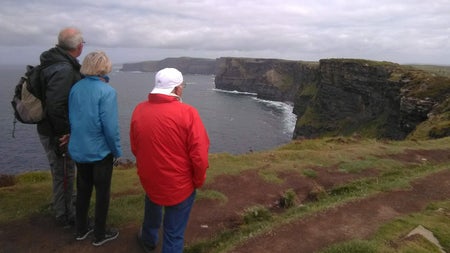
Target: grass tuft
<point>289,199</point>
<point>356,246</point>
<point>256,213</point>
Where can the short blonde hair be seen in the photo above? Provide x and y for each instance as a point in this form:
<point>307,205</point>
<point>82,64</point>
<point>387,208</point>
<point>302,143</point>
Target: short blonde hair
<point>96,64</point>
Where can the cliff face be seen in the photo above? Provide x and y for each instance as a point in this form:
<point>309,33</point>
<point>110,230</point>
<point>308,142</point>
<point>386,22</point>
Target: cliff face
<point>271,79</point>
<point>351,97</point>
<point>347,96</point>
<point>186,65</point>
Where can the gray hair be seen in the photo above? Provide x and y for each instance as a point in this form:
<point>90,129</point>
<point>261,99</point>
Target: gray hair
<point>96,64</point>
<point>70,38</point>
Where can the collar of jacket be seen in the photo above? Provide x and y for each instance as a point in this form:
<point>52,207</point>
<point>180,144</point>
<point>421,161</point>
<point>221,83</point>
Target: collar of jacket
<point>161,98</point>
<point>104,79</point>
<point>57,55</point>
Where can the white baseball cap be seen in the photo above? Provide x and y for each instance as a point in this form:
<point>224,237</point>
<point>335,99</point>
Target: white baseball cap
<point>166,80</point>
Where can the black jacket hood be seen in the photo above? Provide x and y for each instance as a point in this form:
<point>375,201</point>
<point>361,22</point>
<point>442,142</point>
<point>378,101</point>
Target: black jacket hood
<point>58,54</point>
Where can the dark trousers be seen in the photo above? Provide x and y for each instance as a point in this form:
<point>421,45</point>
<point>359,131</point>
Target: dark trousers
<point>63,174</point>
<point>89,175</point>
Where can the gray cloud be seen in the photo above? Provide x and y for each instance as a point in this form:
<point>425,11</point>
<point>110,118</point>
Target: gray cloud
<point>403,31</point>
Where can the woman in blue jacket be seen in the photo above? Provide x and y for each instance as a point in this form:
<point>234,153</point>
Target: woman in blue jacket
<point>94,143</point>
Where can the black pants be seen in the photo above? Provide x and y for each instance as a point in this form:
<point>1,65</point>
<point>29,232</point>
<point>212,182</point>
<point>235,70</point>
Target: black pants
<point>96,174</point>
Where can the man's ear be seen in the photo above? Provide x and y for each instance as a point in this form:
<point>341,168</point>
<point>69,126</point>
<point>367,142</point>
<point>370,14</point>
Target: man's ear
<point>177,90</point>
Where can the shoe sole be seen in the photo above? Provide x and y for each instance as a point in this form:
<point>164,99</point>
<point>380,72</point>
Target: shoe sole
<point>81,238</point>
<point>105,240</point>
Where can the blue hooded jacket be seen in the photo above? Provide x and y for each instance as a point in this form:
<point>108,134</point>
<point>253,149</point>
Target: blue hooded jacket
<point>94,124</point>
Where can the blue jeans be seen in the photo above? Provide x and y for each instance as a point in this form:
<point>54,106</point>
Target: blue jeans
<point>175,221</point>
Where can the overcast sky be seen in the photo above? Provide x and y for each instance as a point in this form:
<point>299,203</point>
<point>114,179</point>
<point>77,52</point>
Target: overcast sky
<point>401,31</point>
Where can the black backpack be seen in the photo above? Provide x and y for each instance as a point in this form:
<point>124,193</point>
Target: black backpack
<point>28,96</point>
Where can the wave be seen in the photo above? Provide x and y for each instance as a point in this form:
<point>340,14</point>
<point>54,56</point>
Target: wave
<point>134,71</point>
<point>236,92</point>
<point>286,109</point>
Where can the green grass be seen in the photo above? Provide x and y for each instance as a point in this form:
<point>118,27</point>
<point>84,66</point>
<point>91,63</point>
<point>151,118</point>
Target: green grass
<point>352,246</point>
<point>270,175</point>
<point>438,70</point>
<point>211,194</point>
<point>256,213</point>
<point>289,199</point>
<point>32,193</point>
<point>310,173</point>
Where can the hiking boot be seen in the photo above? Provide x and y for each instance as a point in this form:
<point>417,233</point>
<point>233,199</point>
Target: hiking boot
<point>145,246</point>
<point>82,236</point>
<point>109,236</point>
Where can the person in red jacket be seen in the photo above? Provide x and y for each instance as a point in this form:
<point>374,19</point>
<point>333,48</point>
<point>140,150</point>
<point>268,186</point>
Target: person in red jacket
<point>171,145</point>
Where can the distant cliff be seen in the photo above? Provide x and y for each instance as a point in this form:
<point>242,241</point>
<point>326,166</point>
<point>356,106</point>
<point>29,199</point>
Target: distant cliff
<point>271,79</point>
<point>186,65</point>
<point>347,96</point>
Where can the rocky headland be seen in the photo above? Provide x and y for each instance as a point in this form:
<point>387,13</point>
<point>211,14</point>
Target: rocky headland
<point>186,65</point>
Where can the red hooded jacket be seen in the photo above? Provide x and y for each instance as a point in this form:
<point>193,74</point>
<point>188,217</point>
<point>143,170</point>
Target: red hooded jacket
<point>171,146</point>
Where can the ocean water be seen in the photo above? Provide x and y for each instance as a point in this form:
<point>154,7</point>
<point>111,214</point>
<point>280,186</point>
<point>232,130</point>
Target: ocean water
<point>236,122</point>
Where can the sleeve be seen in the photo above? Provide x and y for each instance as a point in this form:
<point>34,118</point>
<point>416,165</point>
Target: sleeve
<point>198,149</point>
<point>57,96</point>
<point>110,121</point>
<point>133,134</point>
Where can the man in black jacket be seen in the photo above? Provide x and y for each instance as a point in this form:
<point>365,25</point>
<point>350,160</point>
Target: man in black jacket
<point>61,72</point>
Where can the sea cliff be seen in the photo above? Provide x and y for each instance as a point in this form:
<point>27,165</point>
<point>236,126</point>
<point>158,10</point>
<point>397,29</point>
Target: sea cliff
<point>347,96</point>
<point>271,79</point>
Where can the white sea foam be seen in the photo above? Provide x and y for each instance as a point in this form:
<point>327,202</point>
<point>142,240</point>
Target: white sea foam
<point>236,92</point>
<point>289,118</point>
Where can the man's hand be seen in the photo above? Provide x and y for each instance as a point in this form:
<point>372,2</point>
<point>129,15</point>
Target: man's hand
<point>64,140</point>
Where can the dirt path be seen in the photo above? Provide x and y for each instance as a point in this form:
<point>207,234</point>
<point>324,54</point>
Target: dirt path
<point>354,220</point>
